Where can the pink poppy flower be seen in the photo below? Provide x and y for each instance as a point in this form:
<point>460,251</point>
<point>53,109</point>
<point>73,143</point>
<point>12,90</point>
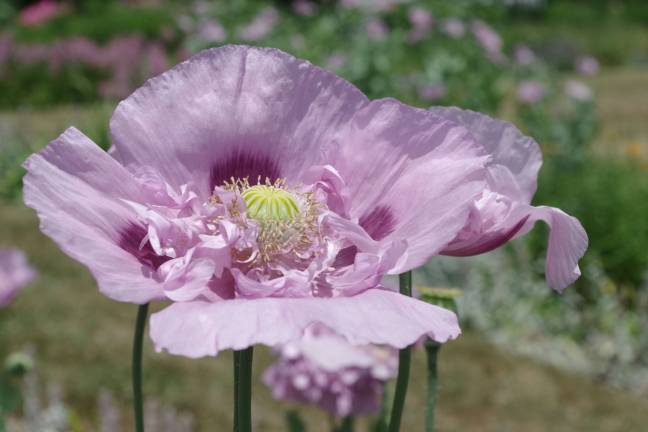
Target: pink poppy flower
<point>530,92</point>
<point>337,61</point>
<point>421,20</point>
<point>261,194</point>
<point>304,7</point>
<point>39,13</point>
<point>15,273</point>
<point>432,92</point>
<point>578,91</point>
<point>504,209</point>
<point>376,29</point>
<point>453,27</point>
<point>370,5</point>
<point>261,26</point>
<point>524,55</point>
<point>489,39</point>
<point>212,31</point>
<point>324,369</point>
<point>587,65</point>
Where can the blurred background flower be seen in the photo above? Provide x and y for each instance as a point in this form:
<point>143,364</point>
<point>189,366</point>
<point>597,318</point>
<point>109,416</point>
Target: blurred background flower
<point>15,273</point>
<point>325,370</point>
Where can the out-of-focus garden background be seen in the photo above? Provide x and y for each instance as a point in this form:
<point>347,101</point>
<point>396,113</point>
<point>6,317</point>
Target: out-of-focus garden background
<point>572,74</point>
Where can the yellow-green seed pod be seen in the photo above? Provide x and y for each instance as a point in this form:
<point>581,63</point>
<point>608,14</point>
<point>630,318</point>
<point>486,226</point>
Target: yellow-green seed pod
<point>270,203</point>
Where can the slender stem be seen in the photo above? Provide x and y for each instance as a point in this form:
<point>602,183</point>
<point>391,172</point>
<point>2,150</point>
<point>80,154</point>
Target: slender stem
<point>243,390</point>
<point>404,360</point>
<point>380,425</point>
<point>432,350</point>
<point>346,425</point>
<point>138,404</point>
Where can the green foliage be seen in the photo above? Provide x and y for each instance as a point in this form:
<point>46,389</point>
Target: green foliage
<point>9,396</point>
<point>564,127</point>
<point>294,422</point>
<point>99,24</point>
<point>599,335</point>
<point>11,171</point>
<point>34,85</point>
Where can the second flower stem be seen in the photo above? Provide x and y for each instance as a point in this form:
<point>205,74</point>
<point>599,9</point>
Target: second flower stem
<point>243,390</point>
<point>138,399</point>
<point>432,352</point>
<point>404,360</point>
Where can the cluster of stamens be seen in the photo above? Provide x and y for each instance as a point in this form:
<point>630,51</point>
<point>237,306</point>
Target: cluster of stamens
<point>286,217</point>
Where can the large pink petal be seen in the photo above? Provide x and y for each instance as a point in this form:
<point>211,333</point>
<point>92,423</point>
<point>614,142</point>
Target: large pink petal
<point>567,244</point>
<point>198,329</point>
<point>234,110</point>
<point>76,188</point>
<point>411,175</point>
<point>516,158</point>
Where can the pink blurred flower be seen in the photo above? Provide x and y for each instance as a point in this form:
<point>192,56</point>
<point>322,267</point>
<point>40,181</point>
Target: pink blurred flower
<point>118,57</point>
<point>421,21</point>
<point>432,92</point>
<point>370,5</point>
<point>261,25</point>
<point>376,29</point>
<point>80,49</point>
<point>336,61</point>
<point>587,65</point>
<point>503,211</point>
<point>200,7</point>
<point>304,7</point>
<point>15,273</point>
<point>157,59</point>
<point>524,55</point>
<point>212,31</point>
<point>579,91</point>
<point>260,203</point>
<point>39,13</point>
<point>323,369</point>
<point>6,48</point>
<point>30,54</point>
<point>185,23</point>
<point>489,40</point>
<point>453,27</point>
<point>530,91</point>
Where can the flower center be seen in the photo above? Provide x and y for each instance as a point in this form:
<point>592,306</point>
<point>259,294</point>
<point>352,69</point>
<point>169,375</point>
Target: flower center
<point>286,218</point>
<point>266,202</point>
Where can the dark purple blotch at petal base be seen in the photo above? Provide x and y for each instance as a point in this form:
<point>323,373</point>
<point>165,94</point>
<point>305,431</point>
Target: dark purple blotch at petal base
<point>242,165</point>
<point>378,223</point>
<point>130,239</point>
<point>487,243</point>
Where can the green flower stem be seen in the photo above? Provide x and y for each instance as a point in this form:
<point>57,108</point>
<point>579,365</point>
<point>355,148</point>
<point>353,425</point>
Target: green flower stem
<point>243,390</point>
<point>346,425</point>
<point>404,360</point>
<point>138,404</point>
<point>432,351</point>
